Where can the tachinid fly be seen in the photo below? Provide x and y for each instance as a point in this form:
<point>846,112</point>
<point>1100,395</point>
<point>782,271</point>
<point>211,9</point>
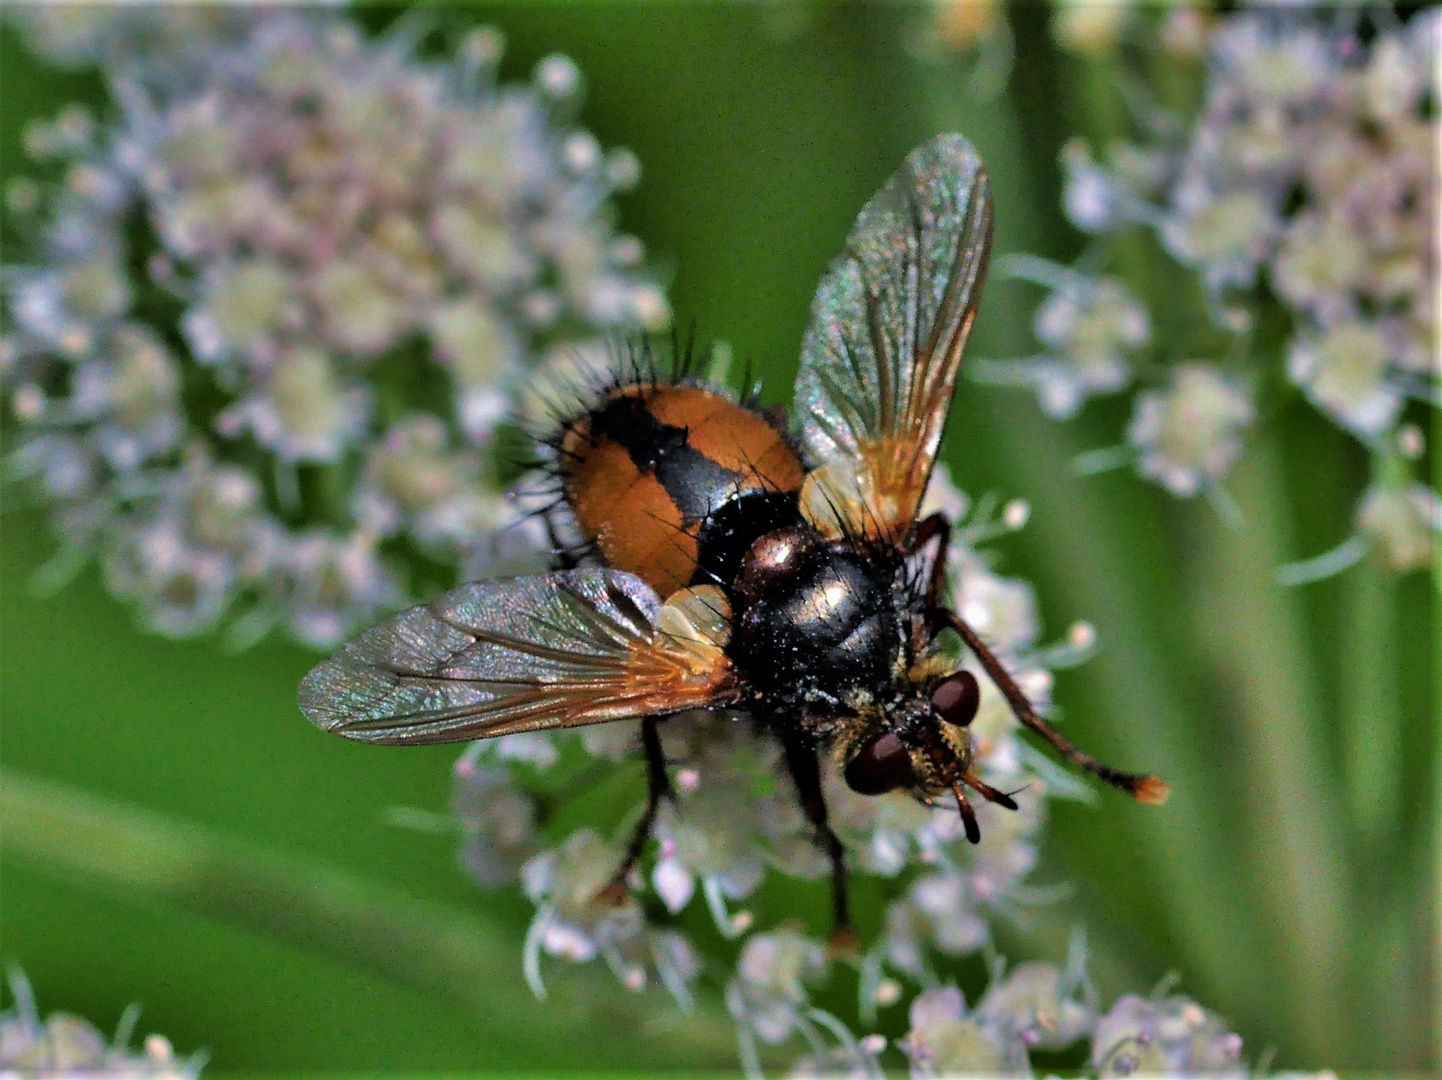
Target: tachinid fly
<point>727,563</point>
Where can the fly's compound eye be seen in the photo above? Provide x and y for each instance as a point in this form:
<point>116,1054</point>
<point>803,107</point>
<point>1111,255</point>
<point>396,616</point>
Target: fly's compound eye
<point>957,698</point>
<point>882,765</point>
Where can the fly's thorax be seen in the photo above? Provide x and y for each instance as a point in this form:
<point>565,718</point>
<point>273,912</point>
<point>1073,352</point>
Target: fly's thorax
<point>817,623</point>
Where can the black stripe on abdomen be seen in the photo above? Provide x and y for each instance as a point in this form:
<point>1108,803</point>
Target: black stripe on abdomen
<point>691,480</point>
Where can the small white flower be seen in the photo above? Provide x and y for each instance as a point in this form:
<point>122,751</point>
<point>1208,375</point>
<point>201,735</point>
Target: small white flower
<point>243,304</point>
<point>769,989</point>
<point>417,481</point>
<point>1189,435</point>
<point>613,741</point>
<point>498,824</point>
<point>578,922</point>
<point>359,311</point>
<point>532,747</point>
<point>1343,370</point>
<point>945,1040</point>
<point>67,1047</point>
<point>1401,525</point>
<point>482,352</point>
<point>720,829</point>
<point>1032,1003</point>
<point>62,466</point>
<point>943,496</point>
<point>1090,329</point>
<point>1226,235</point>
<point>1002,610</point>
<point>673,882</point>
<point>333,585</point>
<point>1091,197</point>
<point>558,76</point>
<point>1320,266</point>
<point>132,399</point>
<point>182,589</point>
<point>1168,1037</point>
<point>304,410</point>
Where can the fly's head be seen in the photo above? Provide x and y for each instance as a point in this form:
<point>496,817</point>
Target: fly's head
<point>918,743</point>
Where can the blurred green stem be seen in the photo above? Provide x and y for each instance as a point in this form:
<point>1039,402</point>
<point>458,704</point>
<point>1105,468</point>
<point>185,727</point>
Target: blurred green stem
<point>1371,719</point>
<point>1431,840</point>
<point>1253,632</point>
<point>324,910</point>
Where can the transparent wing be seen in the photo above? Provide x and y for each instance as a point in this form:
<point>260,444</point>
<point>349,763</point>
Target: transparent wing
<point>496,657</point>
<point>890,318</point>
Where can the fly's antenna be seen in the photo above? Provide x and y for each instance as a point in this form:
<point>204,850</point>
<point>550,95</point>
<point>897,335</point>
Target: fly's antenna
<point>968,815</point>
<point>949,768</point>
<point>991,794</point>
<point>1145,789</point>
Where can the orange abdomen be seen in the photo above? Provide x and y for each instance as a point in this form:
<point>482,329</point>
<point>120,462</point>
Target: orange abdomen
<point>673,483</point>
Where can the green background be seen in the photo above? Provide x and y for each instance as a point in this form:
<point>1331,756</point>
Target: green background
<point>176,834</point>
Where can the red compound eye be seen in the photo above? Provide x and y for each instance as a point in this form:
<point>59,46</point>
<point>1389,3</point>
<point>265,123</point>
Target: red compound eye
<point>882,765</point>
<point>957,698</point>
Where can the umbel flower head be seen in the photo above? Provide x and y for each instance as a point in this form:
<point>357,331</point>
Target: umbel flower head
<point>280,394</point>
<point>734,822</point>
<point>1303,195</point>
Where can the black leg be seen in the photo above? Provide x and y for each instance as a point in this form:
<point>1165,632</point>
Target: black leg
<point>937,528</point>
<point>806,773</point>
<point>658,787</point>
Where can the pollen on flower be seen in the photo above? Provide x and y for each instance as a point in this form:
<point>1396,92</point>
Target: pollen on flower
<point>1081,635</point>
<point>1016,513</point>
<point>1411,443</point>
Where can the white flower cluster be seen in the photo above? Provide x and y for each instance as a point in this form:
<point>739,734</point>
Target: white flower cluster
<point>1306,185</point>
<point>78,36</point>
<point>280,307</point>
<point>1039,1006</point>
<point>63,1046</point>
<point>734,819</point>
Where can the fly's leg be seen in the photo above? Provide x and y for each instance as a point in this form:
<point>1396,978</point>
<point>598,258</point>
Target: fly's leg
<point>805,772</point>
<point>937,528</point>
<point>658,787</point>
<point>1146,789</point>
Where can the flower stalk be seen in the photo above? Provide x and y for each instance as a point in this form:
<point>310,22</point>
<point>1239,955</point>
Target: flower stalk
<point>1251,630</point>
<point>127,851</point>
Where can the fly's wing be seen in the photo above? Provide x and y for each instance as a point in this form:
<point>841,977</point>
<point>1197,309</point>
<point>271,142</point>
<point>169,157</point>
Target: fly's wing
<point>550,651</point>
<point>879,361</point>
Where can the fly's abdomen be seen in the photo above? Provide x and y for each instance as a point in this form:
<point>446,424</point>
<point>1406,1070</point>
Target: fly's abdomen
<point>674,483</point>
